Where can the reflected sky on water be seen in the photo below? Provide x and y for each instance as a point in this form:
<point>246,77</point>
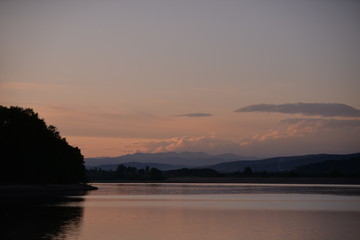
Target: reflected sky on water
<point>188,211</point>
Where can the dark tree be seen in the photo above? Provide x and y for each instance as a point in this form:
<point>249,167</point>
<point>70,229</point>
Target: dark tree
<point>248,171</point>
<point>33,152</point>
<point>156,173</point>
<point>121,171</point>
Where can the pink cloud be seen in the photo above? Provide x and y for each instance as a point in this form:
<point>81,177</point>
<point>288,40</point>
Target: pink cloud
<point>210,144</point>
<point>290,131</point>
<point>302,127</point>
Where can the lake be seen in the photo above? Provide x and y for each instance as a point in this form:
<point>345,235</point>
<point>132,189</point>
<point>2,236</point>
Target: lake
<point>131,211</point>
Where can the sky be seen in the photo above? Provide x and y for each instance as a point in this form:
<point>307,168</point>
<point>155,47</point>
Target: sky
<point>255,77</point>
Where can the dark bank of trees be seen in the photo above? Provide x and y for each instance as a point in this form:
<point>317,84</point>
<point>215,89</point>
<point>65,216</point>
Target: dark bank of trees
<point>327,169</point>
<point>125,173</point>
<point>132,173</point>
<point>193,172</point>
<point>34,152</point>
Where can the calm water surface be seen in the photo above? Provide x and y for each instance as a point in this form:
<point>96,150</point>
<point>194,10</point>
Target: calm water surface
<point>189,211</point>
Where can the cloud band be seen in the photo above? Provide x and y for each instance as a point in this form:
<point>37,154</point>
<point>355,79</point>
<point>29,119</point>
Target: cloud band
<point>192,115</point>
<point>308,109</point>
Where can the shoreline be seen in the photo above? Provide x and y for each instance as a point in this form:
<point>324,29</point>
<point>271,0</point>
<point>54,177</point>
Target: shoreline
<point>44,189</point>
<point>249,180</point>
<point>54,190</point>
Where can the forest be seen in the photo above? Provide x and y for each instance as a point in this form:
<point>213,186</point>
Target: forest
<point>34,152</point>
<point>327,169</point>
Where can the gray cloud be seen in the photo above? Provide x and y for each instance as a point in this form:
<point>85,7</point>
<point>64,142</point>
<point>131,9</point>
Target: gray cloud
<point>308,109</point>
<point>194,115</point>
<point>322,123</point>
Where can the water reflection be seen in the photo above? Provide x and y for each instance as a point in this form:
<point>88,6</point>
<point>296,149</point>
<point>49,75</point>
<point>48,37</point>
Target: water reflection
<point>40,217</point>
<point>221,211</point>
<point>187,211</point>
<point>213,188</point>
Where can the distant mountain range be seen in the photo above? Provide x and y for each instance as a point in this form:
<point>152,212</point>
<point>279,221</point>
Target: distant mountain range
<point>281,163</point>
<point>163,161</point>
<point>221,163</point>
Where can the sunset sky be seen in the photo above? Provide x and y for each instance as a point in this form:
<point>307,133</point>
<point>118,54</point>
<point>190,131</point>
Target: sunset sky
<point>255,78</point>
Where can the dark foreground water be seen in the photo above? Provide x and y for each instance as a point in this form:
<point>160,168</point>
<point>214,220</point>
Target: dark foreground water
<point>188,211</point>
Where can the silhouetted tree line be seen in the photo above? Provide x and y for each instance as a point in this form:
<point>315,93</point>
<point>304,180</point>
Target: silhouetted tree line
<point>132,173</point>
<point>193,172</point>
<point>327,169</point>
<point>33,152</point>
<point>125,173</point>
<point>313,170</point>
